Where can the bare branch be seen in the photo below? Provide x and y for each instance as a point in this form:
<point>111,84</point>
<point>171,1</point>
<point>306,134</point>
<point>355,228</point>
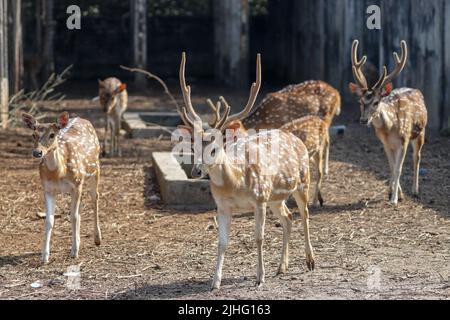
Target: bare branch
<point>155,77</point>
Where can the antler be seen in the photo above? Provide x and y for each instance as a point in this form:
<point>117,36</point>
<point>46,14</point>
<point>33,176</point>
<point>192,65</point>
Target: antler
<point>357,66</point>
<point>400,64</point>
<point>188,109</point>
<point>216,110</point>
<point>254,90</point>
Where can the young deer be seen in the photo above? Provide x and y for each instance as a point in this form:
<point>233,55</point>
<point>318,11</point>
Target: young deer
<point>114,102</point>
<point>240,185</point>
<point>293,102</point>
<point>69,155</point>
<point>313,131</point>
<point>398,116</point>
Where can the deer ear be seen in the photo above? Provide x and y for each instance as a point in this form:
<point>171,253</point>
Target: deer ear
<point>29,121</point>
<point>387,89</point>
<point>121,88</point>
<point>63,120</point>
<point>236,127</point>
<point>100,83</point>
<point>184,130</point>
<point>355,89</point>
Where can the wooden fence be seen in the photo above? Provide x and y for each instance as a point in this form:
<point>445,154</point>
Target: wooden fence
<point>315,37</point>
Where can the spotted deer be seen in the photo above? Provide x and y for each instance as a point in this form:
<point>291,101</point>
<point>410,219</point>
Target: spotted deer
<point>399,117</point>
<point>68,151</point>
<point>240,185</point>
<point>293,102</point>
<point>114,102</point>
<point>314,133</point>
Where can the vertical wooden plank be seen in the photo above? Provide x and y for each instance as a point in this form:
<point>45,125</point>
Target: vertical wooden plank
<point>139,36</point>
<point>231,41</point>
<point>426,55</point>
<point>48,38</point>
<point>309,48</point>
<point>335,55</point>
<point>446,82</point>
<point>16,45</point>
<point>4,86</point>
<point>396,27</point>
<point>354,28</point>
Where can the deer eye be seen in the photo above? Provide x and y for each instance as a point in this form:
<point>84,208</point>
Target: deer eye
<point>51,136</point>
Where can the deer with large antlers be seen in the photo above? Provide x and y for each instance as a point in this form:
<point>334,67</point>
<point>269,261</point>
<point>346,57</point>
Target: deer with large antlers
<point>114,102</point>
<point>399,117</point>
<point>241,185</point>
<point>68,151</point>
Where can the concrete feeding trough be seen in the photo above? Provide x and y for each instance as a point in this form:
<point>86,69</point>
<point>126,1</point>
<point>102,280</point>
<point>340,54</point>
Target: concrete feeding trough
<point>178,191</point>
<point>145,125</point>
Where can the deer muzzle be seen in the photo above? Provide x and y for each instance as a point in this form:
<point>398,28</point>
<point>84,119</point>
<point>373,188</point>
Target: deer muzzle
<point>38,154</point>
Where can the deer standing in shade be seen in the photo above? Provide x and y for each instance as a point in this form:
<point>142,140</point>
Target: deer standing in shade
<point>114,102</point>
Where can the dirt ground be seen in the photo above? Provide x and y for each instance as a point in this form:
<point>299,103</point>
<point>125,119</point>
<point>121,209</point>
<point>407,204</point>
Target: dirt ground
<point>365,248</point>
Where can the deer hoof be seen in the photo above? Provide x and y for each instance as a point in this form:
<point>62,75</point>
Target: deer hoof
<point>282,269</point>
<point>310,263</point>
<point>44,260</point>
<point>321,200</point>
<point>393,203</point>
<point>98,240</point>
<point>215,287</point>
<point>74,254</point>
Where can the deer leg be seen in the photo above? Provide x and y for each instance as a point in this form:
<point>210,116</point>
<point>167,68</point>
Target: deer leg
<point>50,202</point>
<point>105,137</point>
<point>260,221</point>
<point>117,134</point>
<point>398,166</point>
<point>113,138</point>
<point>417,155</point>
<point>286,221</point>
<point>301,198</point>
<point>391,159</point>
<point>95,196</point>
<point>318,159</point>
<point>75,220</point>
<point>326,152</point>
<point>224,220</point>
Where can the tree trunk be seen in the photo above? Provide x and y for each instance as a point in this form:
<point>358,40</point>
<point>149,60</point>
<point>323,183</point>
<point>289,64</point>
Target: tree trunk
<point>4,85</point>
<point>231,41</point>
<point>139,36</point>
<point>16,45</point>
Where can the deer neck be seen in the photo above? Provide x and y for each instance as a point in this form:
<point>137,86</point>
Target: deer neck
<point>54,161</point>
<point>384,117</point>
<point>222,172</point>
